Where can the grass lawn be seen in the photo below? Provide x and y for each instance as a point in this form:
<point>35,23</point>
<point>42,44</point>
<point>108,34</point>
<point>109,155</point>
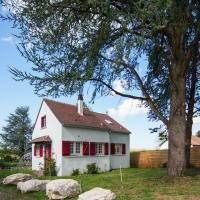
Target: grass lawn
<point>138,184</point>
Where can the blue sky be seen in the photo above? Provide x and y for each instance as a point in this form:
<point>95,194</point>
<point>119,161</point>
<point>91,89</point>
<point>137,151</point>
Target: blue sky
<point>14,94</point>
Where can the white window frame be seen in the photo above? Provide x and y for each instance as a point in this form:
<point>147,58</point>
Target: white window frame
<point>97,148</point>
<point>118,147</point>
<point>74,153</point>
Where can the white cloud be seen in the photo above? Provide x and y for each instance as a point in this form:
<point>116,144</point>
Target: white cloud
<point>196,120</point>
<point>119,86</point>
<point>8,39</point>
<point>129,107</point>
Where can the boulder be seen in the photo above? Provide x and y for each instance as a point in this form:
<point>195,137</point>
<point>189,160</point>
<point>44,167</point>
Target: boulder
<point>97,193</point>
<point>32,185</point>
<point>16,178</point>
<point>62,188</point>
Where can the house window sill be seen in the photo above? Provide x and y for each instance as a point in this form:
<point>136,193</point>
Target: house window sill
<point>83,156</point>
<point>43,128</point>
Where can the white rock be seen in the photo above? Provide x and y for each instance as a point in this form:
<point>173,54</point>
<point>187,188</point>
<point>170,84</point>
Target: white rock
<point>97,194</point>
<point>32,185</point>
<point>62,188</point>
<point>16,178</point>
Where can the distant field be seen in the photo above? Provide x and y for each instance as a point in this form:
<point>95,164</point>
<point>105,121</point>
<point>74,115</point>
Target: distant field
<point>138,184</point>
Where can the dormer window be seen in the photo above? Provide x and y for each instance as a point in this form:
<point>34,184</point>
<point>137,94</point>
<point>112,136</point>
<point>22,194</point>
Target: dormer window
<point>43,121</point>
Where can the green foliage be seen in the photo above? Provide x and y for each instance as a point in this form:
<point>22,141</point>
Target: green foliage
<point>198,133</point>
<point>92,169</point>
<point>50,169</point>
<point>7,164</point>
<point>75,172</point>
<point>16,135</point>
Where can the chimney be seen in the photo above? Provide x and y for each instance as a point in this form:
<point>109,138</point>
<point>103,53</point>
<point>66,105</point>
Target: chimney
<point>80,104</point>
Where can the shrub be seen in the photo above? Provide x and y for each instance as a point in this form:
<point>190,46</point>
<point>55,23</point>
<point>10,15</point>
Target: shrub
<point>50,169</point>
<point>92,168</point>
<point>75,172</point>
<point>7,165</point>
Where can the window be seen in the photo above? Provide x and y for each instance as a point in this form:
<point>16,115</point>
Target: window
<point>78,148</point>
<point>99,148</point>
<point>118,148</point>
<point>71,148</point>
<point>43,121</point>
<point>38,150</point>
<point>75,148</point>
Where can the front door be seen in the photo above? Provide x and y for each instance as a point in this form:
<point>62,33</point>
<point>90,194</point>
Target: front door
<point>47,154</point>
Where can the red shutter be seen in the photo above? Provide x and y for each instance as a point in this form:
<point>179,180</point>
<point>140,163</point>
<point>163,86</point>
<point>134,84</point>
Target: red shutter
<point>65,148</point>
<point>41,150</point>
<point>85,148</point>
<point>34,150</point>
<point>92,148</point>
<point>106,149</point>
<point>49,152</point>
<point>123,148</point>
<point>112,150</point>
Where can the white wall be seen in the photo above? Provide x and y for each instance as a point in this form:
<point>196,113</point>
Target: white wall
<point>54,130</point>
<point>72,162</point>
<point>120,160</point>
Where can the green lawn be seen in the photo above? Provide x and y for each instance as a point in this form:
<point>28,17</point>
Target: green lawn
<point>138,184</point>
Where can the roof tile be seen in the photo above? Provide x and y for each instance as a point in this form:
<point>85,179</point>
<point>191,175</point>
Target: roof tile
<point>68,116</point>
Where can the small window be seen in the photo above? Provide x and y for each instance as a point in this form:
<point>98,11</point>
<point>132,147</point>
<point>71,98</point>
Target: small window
<point>71,148</point>
<point>99,148</point>
<point>37,149</point>
<point>75,148</point>
<point>118,148</point>
<point>43,121</point>
<point>78,147</point>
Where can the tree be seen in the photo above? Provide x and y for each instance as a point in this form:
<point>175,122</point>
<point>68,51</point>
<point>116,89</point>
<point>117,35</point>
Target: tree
<point>72,43</point>
<point>198,133</point>
<point>17,133</point>
<point>162,98</point>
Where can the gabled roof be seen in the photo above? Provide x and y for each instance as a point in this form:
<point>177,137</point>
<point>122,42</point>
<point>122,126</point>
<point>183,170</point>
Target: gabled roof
<point>68,116</point>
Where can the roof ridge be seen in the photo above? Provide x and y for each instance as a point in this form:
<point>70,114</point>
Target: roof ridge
<point>46,99</point>
<point>68,104</point>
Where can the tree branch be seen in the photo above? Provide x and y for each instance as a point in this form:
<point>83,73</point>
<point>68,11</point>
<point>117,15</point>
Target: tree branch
<point>142,88</point>
<point>117,92</point>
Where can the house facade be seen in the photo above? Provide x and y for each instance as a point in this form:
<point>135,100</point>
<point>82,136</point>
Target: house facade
<point>74,137</point>
<point>195,142</point>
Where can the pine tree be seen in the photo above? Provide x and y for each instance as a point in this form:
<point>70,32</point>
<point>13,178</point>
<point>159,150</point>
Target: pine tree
<point>17,133</point>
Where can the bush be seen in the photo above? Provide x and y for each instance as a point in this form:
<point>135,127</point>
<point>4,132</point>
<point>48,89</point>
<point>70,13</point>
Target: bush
<point>92,168</point>
<point>75,172</point>
<point>50,169</point>
<point>7,165</point>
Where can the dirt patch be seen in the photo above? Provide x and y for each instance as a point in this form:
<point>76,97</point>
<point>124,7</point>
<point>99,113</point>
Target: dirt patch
<point>8,195</point>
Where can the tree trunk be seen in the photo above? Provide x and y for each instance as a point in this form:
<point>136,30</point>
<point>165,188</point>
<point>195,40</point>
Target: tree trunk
<point>188,142</point>
<point>177,123</point>
<point>191,102</point>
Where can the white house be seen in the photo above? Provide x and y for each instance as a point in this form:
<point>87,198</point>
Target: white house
<point>75,137</point>
<point>195,142</point>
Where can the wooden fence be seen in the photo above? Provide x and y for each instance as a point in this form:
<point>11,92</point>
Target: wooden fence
<point>158,158</point>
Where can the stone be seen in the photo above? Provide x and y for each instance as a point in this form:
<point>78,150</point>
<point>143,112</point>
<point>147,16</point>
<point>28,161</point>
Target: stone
<point>32,185</point>
<point>16,178</point>
<point>97,194</point>
<point>62,188</point>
